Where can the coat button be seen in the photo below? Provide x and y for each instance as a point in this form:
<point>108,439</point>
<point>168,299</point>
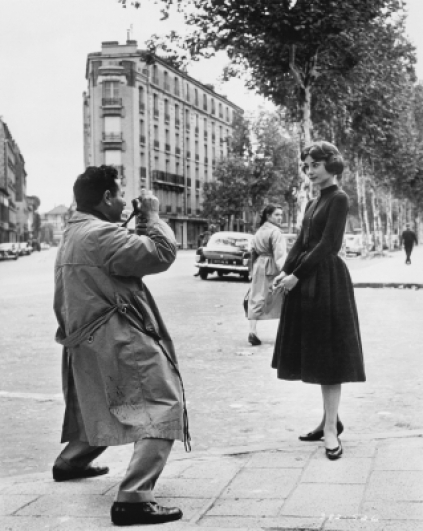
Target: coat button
<point>90,339</point>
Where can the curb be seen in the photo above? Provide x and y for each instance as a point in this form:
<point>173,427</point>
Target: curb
<point>397,285</point>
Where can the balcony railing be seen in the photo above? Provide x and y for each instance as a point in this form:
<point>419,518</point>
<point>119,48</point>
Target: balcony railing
<point>156,144</point>
<point>142,139</point>
<point>170,178</point>
<point>112,137</point>
<point>111,102</point>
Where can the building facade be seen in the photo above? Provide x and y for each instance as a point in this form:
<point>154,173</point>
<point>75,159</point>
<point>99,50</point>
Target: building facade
<point>162,129</point>
<point>53,224</point>
<point>13,206</point>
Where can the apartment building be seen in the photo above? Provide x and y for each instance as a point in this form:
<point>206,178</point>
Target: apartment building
<point>161,128</point>
<point>13,205</point>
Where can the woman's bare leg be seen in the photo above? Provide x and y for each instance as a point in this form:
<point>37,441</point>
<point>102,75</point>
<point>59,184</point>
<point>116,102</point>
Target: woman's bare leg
<point>253,326</point>
<point>331,399</point>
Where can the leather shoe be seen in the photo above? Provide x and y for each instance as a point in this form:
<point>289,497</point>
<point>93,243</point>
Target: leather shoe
<point>124,513</point>
<point>60,474</point>
<point>334,453</point>
<point>254,340</point>
<point>318,434</point>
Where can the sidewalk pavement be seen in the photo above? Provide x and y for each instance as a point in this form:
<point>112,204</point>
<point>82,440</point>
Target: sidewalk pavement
<point>377,485</point>
<point>390,271</point>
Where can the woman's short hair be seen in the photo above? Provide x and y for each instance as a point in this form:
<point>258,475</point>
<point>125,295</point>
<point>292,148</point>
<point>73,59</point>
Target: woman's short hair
<point>268,211</point>
<point>327,152</point>
<point>90,186</point>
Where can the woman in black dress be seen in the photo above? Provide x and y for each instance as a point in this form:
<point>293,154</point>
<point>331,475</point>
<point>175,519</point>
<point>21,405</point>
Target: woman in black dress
<point>318,339</point>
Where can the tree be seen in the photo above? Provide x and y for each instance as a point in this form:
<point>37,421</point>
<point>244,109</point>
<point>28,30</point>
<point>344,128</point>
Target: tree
<point>286,48</point>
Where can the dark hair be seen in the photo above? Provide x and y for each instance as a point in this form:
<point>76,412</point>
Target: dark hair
<point>90,186</point>
<point>267,211</point>
<point>318,151</point>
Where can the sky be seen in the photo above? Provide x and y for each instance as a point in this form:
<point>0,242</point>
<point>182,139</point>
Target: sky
<point>43,49</point>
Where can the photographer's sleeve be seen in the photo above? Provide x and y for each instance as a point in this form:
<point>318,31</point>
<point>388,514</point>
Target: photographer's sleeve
<point>127,254</point>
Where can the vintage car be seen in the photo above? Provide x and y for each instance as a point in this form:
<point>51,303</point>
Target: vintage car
<point>25,249</point>
<point>9,250</point>
<point>226,252</point>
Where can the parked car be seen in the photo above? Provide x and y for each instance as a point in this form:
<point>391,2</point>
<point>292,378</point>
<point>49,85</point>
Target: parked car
<point>25,249</point>
<point>9,250</point>
<point>353,244</point>
<point>226,252</point>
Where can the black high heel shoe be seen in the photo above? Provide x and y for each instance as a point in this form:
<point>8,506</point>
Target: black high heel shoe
<point>318,434</point>
<point>334,453</point>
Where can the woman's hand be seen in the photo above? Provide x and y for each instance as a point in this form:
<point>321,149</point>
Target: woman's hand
<point>289,282</point>
<point>277,281</point>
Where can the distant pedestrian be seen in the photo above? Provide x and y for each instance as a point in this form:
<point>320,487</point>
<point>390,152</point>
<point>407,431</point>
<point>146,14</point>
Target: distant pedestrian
<point>318,339</point>
<point>408,238</point>
<point>120,373</point>
<point>268,255</point>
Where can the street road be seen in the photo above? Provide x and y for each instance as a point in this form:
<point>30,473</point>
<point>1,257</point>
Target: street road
<point>233,395</point>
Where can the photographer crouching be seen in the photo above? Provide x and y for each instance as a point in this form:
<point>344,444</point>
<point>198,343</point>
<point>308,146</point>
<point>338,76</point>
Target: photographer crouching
<point>121,380</point>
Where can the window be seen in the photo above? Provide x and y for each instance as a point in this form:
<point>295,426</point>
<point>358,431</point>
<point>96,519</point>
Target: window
<point>167,112</point>
<point>196,97</point>
<point>141,93</point>
<point>176,86</point>
<point>166,81</point>
<point>178,166</point>
<point>156,105</point>
<point>113,158</point>
<point>220,111</point>
<point>111,89</point>
<point>205,102</point>
<point>187,119</point>
<point>187,92</point>
<point>177,121</point>
<point>156,133</point>
<point>155,75</point>
<point>213,104</point>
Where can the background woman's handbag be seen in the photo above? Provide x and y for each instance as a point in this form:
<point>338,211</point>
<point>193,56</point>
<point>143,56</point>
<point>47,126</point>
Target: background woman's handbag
<point>245,302</point>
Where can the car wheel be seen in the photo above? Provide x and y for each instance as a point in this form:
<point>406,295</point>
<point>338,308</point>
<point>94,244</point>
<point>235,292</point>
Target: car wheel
<point>16,257</point>
<point>203,274</point>
<point>246,277</point>
<point>221,273</point>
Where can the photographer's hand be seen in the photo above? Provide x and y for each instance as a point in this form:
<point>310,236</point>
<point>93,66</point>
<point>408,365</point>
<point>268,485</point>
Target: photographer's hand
<point>149,211</point>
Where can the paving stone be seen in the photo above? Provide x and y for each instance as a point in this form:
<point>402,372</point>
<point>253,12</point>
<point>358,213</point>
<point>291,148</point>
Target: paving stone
<point>76,505</point>
<point>23,523</point>
<point>92,486</point>
<point>343,471</point>
<point>244,507</point>
<point>10,503</point>
<point>222,469</point>
<point>357,450</point>
<point>318,499</point>
<point>368,525</point>
<point>280,523</point>
<point>92,524</point>
<point>399,459</point>
<point>193,488</point>
<point>392,510</point>
<point>263,483</point>
<point>175,469</point>
<point>396,486</point>
<point>279,459</point>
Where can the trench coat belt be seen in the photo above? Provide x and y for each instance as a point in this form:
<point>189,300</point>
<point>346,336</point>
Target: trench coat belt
<point>86,331</point>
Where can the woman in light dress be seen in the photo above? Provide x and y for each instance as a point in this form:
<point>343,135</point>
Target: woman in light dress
<point>268,256</point>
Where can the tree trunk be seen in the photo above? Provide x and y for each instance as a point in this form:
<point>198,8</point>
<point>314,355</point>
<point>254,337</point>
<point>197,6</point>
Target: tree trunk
<point>362,207</point>
<point>389,220</point>
<point>306,116</point>
<point>377,222</point>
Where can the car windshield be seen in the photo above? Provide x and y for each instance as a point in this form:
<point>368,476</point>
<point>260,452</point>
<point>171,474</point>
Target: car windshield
<point>225,241</point>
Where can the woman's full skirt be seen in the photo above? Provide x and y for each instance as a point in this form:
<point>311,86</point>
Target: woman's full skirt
<point>318,338</point>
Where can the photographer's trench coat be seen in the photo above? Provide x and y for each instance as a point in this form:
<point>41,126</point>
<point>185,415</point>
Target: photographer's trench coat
<point>120,374</point>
